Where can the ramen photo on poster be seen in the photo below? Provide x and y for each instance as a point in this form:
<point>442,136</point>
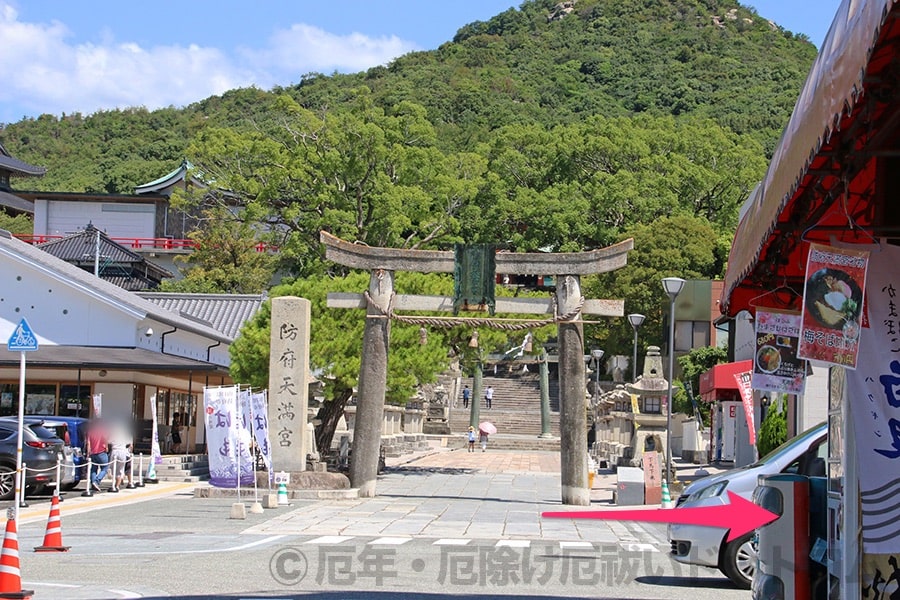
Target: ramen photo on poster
<point>833,301</point>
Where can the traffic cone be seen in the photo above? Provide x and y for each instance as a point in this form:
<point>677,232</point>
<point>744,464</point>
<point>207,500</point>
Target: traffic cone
<point>53,535</point>
<point>282,494</point>
<point>10,577</point>
<point>666,498</point>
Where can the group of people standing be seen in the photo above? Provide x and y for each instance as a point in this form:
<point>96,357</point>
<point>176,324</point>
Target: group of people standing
<point>482,438</point>
<point>109,445</point>
<point>488,396</point>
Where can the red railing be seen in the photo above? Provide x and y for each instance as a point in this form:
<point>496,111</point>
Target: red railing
<point>137,243</point>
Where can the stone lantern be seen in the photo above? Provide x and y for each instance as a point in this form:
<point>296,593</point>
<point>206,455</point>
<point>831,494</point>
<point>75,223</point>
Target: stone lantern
<point>649,425</point>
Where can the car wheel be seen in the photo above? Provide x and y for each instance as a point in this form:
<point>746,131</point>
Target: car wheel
<point>7,482</point>
<point>739,561</point>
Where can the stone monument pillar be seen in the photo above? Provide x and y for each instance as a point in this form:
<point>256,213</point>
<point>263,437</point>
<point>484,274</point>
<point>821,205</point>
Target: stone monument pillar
<point>288,382</point>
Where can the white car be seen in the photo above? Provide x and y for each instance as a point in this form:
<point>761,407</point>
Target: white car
<point>706,546</point>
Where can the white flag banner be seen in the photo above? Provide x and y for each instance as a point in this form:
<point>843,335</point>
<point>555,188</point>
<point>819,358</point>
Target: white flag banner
<point>246,434</point>
<point>259,408</point>
<point>155,452</point>
<point>223,434</point>
<point>98,406</point>
<point>874,392</point>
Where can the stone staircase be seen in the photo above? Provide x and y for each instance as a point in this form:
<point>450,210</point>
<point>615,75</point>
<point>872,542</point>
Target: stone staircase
<point>183,468</point>
<point>516,408</point>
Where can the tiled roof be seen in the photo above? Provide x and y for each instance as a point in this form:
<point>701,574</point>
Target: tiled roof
<point>225,312</point>
<point>16,203</point>
<point>19,167</point>
<point>117,263</point>
<point>100,290</point>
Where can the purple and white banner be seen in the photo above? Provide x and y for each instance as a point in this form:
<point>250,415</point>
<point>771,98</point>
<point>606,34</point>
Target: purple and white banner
<point>155,451</point>
<point>874,393</point>
<point>259,417</point>
<point>223,434</point>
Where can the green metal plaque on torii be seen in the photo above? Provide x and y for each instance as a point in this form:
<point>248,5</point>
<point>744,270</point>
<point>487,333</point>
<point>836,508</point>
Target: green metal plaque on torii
<point>474,277</point>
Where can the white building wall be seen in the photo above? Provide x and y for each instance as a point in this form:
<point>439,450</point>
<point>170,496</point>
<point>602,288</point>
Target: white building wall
<point>812,407</point>
<point>115,219</point>
<point>58,313</point>
<point>117,400</point>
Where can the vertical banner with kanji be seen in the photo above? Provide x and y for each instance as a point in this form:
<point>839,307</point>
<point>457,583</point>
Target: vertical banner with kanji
<point>776,367</point>
<point>223,425</point>
<point>874,393</point>
<point>245,433</point>
<point>833,304</point>
<point>744,385</point>
<point>155,451</point>
<point>260,426</point>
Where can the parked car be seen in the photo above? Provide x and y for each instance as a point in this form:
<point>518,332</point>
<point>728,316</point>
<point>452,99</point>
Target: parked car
<point>706,546</point>
<point>41,450</point>
<point>73,432</point>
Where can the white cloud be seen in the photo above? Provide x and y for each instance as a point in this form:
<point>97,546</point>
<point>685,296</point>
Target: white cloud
<point>303,48</point>
<point>44,71</point>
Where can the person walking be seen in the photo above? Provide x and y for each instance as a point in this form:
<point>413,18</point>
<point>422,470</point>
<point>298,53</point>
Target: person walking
<point>97,447</point>
<point>488,396</point>
<point>467,394</point>
<point>120,446</point>
<point>483,438</point>
<point>471,439</point>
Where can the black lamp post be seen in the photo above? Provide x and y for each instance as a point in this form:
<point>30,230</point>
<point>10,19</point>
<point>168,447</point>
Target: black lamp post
<point>673,287</point>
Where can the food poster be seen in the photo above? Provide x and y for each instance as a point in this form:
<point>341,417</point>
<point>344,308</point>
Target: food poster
<point>833,304</point>
<point>776,367</point>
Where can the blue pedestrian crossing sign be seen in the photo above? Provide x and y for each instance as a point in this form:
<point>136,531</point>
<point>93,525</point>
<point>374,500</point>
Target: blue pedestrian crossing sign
<point>22,338</point>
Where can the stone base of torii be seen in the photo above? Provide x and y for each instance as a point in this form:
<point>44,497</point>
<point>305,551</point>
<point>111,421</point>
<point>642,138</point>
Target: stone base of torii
<point>382,263</point>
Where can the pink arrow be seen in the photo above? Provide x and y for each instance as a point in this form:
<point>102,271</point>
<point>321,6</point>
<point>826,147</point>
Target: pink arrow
<point>738,516</point>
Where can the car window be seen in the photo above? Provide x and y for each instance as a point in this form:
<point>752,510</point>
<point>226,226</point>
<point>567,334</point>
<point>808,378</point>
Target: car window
<point>810,463</point>
<point>44,433</point>
<point>6,432</point>
<point>789,447</point>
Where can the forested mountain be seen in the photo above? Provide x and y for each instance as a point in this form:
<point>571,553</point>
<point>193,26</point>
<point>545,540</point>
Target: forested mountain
<point>534,65</point>
<point>559,126</point>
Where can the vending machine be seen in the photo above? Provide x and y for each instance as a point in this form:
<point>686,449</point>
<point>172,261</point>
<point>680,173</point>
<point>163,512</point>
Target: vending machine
<point>791,550</point>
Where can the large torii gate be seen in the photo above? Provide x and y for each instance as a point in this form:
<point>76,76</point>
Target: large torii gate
<point>380,300</point>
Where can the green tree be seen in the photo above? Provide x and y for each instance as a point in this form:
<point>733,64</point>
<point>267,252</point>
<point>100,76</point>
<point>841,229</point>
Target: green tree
<point>17,225</point>
<point>228,259</point>
<point>356,171</point>
<point>335,348</point>
<point>693,364</point>
<point>679,246</point>
<point>772,431</point>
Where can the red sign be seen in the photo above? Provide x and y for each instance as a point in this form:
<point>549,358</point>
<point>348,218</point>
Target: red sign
<point>743,381</point>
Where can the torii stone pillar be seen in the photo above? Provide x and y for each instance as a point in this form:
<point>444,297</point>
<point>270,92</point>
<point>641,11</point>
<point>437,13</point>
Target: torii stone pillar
<point>567,266</point>
<point>372,385</point>
<point>572,416</point>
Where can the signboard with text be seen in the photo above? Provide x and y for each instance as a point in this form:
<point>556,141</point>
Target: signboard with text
<point>776,366</point>
<point>832,315</point>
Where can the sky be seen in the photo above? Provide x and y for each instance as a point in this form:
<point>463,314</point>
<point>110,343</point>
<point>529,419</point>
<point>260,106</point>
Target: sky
<point>66,56</point>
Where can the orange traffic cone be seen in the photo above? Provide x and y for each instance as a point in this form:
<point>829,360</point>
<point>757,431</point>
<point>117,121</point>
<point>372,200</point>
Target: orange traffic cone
<point>53,536</point>
<point>10,578</point>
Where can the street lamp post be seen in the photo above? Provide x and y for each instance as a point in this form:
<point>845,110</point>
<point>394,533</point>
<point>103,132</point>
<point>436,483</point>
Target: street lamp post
<point>673,287</point>
<point>636,320</point>
<point>596,355</point>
